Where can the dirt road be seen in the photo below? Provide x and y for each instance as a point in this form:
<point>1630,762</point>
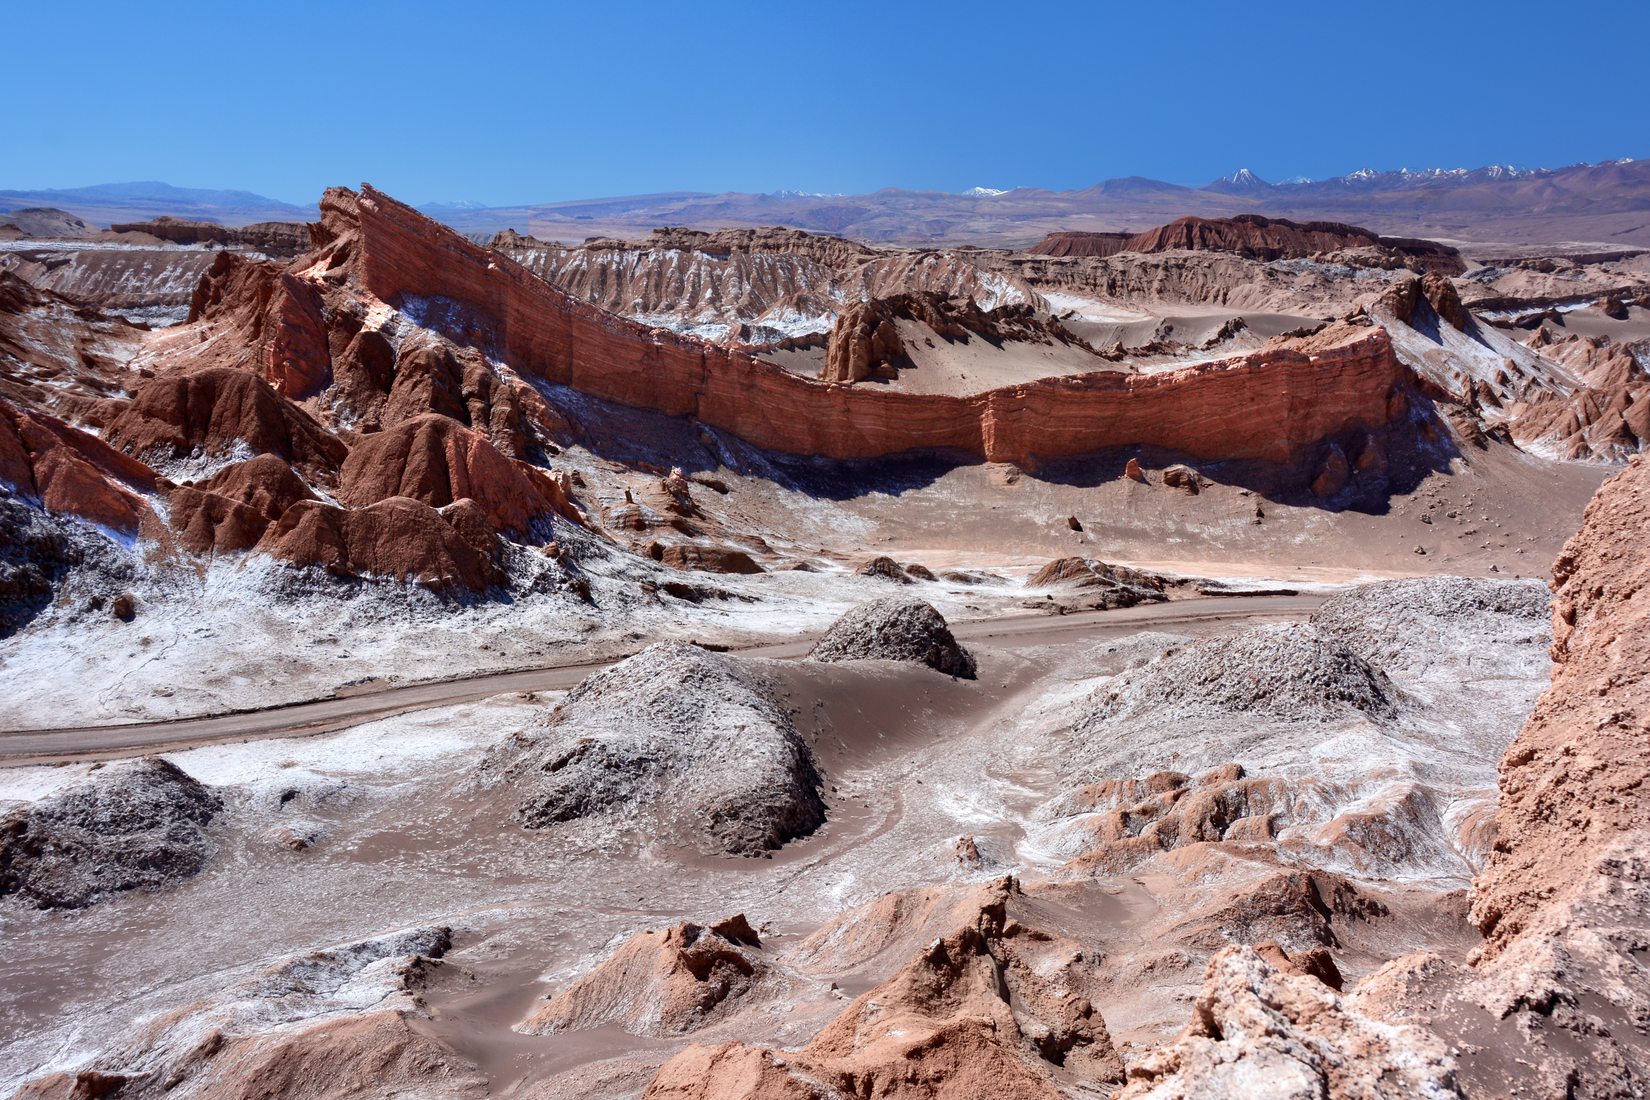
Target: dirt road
<point>322,715</point>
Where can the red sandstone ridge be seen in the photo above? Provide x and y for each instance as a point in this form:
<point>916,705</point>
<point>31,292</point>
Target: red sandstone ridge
<point>1253,236</point>
<point>1269,405</point>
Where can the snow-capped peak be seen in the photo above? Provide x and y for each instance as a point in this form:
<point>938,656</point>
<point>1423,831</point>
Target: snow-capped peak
<point>1243,175</point>
<point>984,192</point>
<point>1361,174</point>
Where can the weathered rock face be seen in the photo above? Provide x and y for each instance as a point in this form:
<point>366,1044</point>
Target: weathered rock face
<point>1576,782</point>
<point>73,473</point>
<point>991,1009</point>
<point>133,825</point>
<point>706,559</point>
<point>221,412</point>
<point>1253,236</point>
<point>662,983</point>
<point>894,629</point>
<point>1607,417</point>
<point>751,286</point>
<point>680,744</point>
<point>1257,1031</point>
<point>865,339</point>
<point>231,510</point>
<point>277,239</point>
<point>436,460</point>
<point>1121,586</point>
<point>397,538</point>
<point>1265,406</point>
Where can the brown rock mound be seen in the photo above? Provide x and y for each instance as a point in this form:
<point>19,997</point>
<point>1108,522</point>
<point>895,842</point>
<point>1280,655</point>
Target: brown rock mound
<point>72,472</point>
<point>1120,585</point>
<point>705,559</point>
<point>435,459</point>
<point>397,538</point>
<point>993,1009</point>
<point>217,411</point>
<point>662,983</point>
<point>231,510</point>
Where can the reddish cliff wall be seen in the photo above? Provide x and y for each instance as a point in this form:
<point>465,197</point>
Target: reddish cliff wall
<point>1265,406</point>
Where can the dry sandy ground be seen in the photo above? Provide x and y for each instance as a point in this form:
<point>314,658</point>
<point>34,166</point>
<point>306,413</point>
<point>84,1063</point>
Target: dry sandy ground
<point>913,760</point>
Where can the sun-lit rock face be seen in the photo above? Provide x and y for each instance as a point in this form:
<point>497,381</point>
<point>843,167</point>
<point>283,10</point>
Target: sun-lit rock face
<point>1268,406</point>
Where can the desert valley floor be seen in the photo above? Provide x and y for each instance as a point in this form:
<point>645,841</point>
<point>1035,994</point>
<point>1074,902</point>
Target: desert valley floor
<point>1199,662</point>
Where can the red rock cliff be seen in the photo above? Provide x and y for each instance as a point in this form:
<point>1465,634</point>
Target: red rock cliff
<point>1265,406</point>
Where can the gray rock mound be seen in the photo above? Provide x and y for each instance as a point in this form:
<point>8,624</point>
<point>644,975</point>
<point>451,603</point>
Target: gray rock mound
<point>138,824</point>
<point>895,629</point>
<point>680,743</point>
<point>1275,673</point>
<point>1399,624</point>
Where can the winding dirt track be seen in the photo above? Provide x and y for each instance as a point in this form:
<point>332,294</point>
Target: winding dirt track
<point>323,715</point>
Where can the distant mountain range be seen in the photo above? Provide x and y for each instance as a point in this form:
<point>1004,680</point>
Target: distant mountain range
<point>1605,205</point>
<point>105,203</point>
<point>1601,205</point>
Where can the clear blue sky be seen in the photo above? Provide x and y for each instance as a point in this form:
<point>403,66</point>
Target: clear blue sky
<point>513,101</point>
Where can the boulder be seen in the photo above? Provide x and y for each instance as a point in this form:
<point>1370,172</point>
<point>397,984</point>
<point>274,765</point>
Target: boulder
<point>1184,477</point>
<point>894,629</point>
<point>677,745</point>
<point>137,824</point>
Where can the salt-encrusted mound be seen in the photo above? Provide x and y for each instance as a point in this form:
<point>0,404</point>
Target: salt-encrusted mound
<point>1276,673</point>
<point>1256,1031</point>
<point>679,743</point>
<point>894,629</point>
<point>135,824</point>
<point>1390,623</point>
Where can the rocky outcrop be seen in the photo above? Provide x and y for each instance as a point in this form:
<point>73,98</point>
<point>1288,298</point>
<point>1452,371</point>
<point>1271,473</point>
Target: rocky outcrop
<point>894,629</point>
<point>133,825</point>
<point>276,239</point>
<point>70,472</point>
<point>1253,236</point>
<point>758,286</point>
<point>221,413</point>
<point>1258,1031</point>
<point>393,539</point>
<point>1266,406</point>
<point>1073,242</point>
<point>1605,418</point>
<point>1118,585</point>
<point>683,745</point>
<point>231,510</point>
<point>436,460</point>
<point>865,340</point>
<point>1576,782</point>
<point>662,983</point>
<point>991,1009</point>
<point>705,559</point>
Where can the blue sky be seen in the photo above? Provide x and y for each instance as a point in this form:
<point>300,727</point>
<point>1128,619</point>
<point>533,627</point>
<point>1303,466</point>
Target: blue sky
<point>514,102</point>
